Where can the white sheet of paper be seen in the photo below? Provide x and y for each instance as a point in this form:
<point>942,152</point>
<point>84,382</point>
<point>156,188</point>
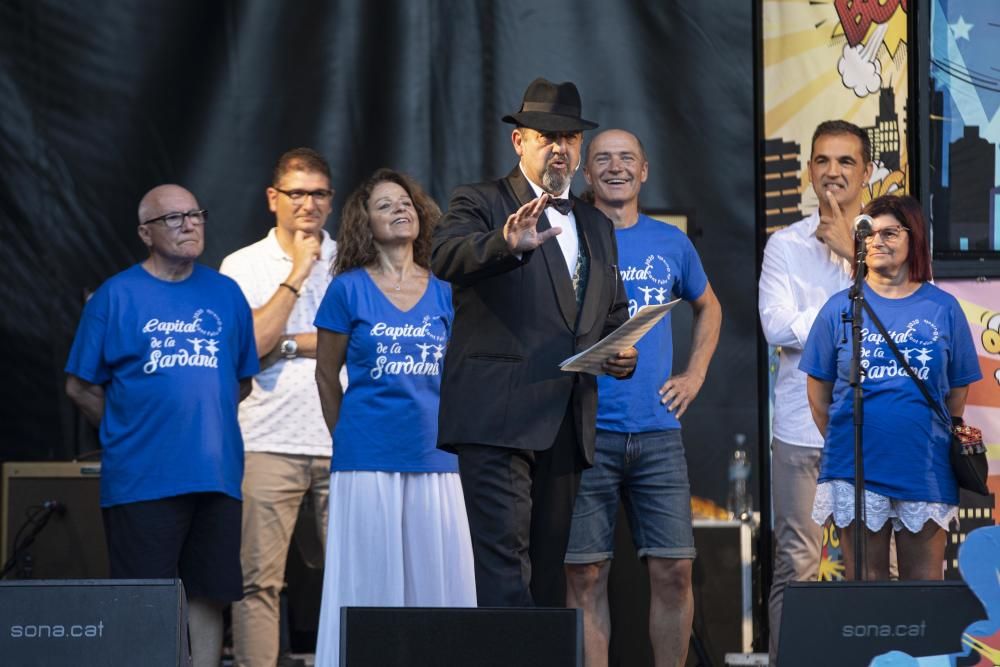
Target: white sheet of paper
<point>592,359</point>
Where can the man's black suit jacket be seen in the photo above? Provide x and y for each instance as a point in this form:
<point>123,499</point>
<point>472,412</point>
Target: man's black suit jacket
<point>516,319</point>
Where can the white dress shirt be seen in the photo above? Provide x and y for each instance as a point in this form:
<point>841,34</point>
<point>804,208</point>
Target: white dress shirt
<point>800,273</point>
<point>569,239</point>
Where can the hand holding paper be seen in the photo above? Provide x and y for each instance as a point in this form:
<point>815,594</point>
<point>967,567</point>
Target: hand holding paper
<point>622,364</point>
<point>602,358</point>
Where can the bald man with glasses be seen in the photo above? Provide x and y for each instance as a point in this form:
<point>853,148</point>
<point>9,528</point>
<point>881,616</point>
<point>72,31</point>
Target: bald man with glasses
<point>288,447</point>
<point>163,354</point>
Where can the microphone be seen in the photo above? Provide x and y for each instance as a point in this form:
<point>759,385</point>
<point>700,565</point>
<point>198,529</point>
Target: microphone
<point>863,226</point>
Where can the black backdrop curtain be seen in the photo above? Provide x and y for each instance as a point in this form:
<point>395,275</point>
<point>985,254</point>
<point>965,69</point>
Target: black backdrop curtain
<point>103,100</point>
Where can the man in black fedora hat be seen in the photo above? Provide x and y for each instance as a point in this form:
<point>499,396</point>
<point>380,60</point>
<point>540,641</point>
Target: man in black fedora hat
<point>534,279</point>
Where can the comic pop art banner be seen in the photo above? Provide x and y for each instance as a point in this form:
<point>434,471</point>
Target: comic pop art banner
<point>980,300</point>
<point>964,115</point>
<point>839,60</point>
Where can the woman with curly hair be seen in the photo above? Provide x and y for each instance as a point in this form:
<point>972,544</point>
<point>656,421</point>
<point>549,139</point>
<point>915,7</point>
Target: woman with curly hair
<point>398,530</point>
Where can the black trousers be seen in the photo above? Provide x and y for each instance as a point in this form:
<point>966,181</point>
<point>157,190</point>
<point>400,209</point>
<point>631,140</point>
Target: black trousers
<point>520,504</point>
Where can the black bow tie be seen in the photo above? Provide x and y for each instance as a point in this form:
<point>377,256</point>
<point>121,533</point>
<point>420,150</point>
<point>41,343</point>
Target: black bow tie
<point>564,206</point>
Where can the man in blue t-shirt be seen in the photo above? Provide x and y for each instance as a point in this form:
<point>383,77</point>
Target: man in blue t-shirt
<point>163,354</point>
<point>639,449</point>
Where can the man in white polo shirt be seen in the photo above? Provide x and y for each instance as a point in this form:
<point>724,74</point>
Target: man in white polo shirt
<point>284,277</point>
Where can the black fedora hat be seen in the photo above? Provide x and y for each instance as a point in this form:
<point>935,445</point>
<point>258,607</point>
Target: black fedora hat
<point>551,107</point>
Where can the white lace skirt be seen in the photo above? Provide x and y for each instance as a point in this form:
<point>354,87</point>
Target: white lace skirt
<point>836,498</point>
<point>394,540</point>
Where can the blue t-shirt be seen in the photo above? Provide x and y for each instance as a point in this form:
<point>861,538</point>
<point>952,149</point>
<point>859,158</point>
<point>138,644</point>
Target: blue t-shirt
<point>905,441</point>
<point>170,356</point>
<point>657,264</point>
<point>388,418</point>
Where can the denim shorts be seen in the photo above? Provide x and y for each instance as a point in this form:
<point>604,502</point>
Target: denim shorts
<point>648,472</point>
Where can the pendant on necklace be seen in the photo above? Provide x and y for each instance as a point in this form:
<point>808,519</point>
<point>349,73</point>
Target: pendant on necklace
<point>397,287</point>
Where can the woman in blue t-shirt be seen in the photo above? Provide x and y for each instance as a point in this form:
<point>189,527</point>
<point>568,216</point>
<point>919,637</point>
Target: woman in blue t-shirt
<point>908,477</point>
<point>398,532</point>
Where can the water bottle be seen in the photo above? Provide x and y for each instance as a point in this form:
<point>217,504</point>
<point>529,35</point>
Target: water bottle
<point>739,503</point>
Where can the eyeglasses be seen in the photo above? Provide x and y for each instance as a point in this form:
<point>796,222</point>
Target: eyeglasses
<point>889,234</point>
<point>571,138</point>
<point>198,216</point>
<point>299,196</point>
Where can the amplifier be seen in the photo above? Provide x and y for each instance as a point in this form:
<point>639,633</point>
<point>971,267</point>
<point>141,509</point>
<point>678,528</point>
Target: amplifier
<point>66,495</point>
<point>91,623</point>
<point>458,637</point>
<point>849,623</point>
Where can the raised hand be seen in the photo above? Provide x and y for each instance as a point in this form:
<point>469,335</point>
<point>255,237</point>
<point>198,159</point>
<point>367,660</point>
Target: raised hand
<point>835,229</point>
<point>521,229</point>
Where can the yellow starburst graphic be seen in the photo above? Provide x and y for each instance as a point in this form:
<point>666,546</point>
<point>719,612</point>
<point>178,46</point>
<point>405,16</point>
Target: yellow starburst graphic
<point>830,570</point>
<point>831,567</point>
<point>982,648</point>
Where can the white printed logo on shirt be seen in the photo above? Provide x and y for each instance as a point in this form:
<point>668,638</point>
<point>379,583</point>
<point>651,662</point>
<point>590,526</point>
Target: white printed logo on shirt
<point>407,349</point>
<point>653,280</point>
<point>915,344</point>
<point>183,343</point>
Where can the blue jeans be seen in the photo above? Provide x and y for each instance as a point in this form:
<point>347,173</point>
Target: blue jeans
<point>649,472</point>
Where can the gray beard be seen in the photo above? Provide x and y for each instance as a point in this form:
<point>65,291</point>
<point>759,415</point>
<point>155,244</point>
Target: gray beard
<point>556,183</point>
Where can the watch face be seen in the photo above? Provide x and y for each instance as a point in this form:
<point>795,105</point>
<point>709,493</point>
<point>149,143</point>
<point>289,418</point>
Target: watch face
<point>289,348</point>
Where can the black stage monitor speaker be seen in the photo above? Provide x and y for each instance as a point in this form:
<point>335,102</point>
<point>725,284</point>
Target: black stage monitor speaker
<point>453,637</point>
<point>91,623</point>
<point>66,496</point>
<point>849,623</point>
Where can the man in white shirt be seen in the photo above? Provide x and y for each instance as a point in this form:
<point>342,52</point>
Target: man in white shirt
<point>284,277</point>
<point>804,265</point>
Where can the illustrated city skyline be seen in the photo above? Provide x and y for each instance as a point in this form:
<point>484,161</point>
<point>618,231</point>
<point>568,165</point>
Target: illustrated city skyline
<point>965,200</point>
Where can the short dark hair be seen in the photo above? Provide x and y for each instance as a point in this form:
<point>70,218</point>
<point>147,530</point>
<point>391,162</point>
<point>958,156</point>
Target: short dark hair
<point>300,159</point>
<point>835,127</point>
<point>908,212</point>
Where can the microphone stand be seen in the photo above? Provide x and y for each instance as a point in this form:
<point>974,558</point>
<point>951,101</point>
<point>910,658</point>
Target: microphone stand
<point>857,296</point>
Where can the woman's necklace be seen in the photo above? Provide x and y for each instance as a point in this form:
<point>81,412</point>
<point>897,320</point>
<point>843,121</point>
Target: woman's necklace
<point>385,276</point>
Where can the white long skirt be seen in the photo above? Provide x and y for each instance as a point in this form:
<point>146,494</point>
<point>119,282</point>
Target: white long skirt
<point>394,540</point>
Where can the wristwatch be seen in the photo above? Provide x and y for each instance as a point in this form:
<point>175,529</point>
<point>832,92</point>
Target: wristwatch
<point>288,348</point>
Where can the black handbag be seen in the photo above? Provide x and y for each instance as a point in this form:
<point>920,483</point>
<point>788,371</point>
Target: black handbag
<point>968,457</point>
<point>967,451</point>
